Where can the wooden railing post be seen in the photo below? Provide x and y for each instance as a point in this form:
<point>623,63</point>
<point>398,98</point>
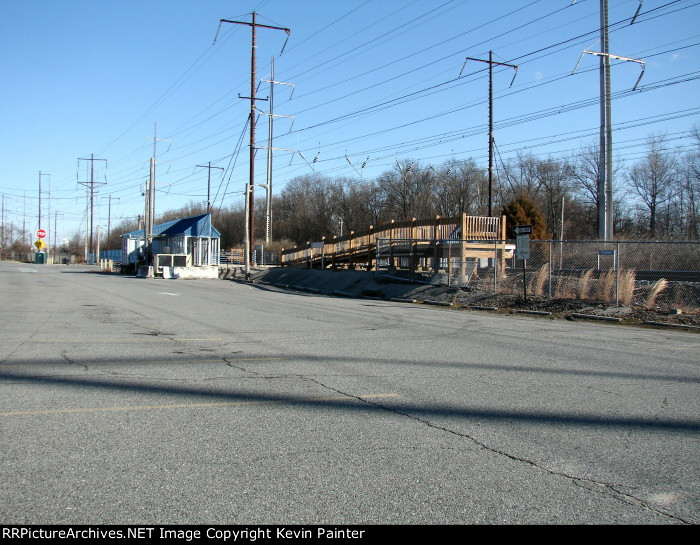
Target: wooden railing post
<point>412,260</point>
<point>392,265</point>
<point>335,251</point>
<point>350,253</point>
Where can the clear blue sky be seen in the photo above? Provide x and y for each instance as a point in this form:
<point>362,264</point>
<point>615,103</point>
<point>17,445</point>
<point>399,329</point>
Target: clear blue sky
<point>375,82</point>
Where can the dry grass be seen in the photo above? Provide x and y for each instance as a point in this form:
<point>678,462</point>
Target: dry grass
<point>605,287</point>
<point>566,287</point>
<point>659,286</point>
<point>583,286</point>
<point>626,287</point>
<point>601,289</point>
<point>538,281</point>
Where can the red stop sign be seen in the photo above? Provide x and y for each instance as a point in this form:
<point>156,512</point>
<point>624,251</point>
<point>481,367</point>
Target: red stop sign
<point>41,233</point>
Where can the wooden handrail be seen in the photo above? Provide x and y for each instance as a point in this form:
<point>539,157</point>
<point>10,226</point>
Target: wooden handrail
<point>472,228</point>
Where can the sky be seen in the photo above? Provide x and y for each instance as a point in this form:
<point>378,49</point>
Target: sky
<point>361,84</point>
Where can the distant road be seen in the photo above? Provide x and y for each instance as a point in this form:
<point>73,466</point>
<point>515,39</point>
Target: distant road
<point>136,401</point>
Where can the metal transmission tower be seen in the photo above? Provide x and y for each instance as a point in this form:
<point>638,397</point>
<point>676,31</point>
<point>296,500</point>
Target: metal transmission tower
<point>209,167</point>
<point>271,115</point>
<point>606,205</point>
<point>250,198</point>
<point>92,184</point>
<point>491,63</point>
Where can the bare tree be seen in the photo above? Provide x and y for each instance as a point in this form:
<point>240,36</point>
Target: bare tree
<point>553,178</point>
<point>457,188</point>
<point>407,191</point>
<point>690,186</point>
<point>653,178</point>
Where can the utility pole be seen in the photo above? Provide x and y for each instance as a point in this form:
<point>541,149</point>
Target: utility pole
<point>40,175</point>
<point>271,115</point>
<point>2,228</point>
<point>605,168</point>
<point>268,190</point>
<point>209,167</point>
<point>92,194</point>
<point>109,217</point>
<point>55,229</point>
<point>606,205</point>
<point>152,198</point>
<point>251,185</point>
<point>151,189</point>
<point>491,63</point>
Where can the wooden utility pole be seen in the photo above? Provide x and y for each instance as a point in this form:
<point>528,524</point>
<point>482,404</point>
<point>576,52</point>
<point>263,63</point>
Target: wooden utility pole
<point>92,194</point>
<point>209,167</point>
<point>251,184</point>
<point>491,63</point>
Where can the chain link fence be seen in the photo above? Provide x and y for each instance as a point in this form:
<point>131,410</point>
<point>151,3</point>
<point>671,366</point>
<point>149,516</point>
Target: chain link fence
<point>651,274</point>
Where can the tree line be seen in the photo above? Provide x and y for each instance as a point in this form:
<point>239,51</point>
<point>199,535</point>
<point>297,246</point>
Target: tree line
<point>657,197</point>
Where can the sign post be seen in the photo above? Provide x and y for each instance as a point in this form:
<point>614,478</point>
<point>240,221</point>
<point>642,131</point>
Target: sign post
<point>522,250</point>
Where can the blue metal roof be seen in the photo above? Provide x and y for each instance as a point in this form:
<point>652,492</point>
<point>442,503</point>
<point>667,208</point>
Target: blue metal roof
<point>195,226</point>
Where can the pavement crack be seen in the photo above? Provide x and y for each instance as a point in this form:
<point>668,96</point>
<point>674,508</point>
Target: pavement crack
<point>615,492</point>
<point>73,362</point>
<point>624,497</point>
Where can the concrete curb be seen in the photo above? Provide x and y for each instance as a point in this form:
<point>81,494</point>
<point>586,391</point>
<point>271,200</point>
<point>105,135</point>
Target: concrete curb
<point>595,317</point>
<point>534,312</point>
<point>665,324</point>
<point>437,303</point>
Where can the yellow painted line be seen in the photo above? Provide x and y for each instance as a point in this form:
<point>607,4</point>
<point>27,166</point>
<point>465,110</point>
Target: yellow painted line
<point>137,362</point>
<point>185,406</point>
<point>121,340</point>
<point>177,339</point>
<point>216,360</point>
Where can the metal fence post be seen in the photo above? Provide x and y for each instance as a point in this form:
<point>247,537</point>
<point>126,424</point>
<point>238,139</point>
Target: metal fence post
<point>549,271</point>
<point>617,273</point>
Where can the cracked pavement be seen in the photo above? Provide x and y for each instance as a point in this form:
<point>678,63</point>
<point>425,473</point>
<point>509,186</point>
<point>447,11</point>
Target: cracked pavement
<point>232,405</point>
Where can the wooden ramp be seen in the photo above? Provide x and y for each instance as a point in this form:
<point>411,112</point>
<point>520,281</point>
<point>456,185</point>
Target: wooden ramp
<point>437,244</point>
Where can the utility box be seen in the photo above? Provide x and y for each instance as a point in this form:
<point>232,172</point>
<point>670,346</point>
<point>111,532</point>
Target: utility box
<point>40,258</point>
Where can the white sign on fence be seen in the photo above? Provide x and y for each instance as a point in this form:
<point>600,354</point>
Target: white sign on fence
<point>522,247</point>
